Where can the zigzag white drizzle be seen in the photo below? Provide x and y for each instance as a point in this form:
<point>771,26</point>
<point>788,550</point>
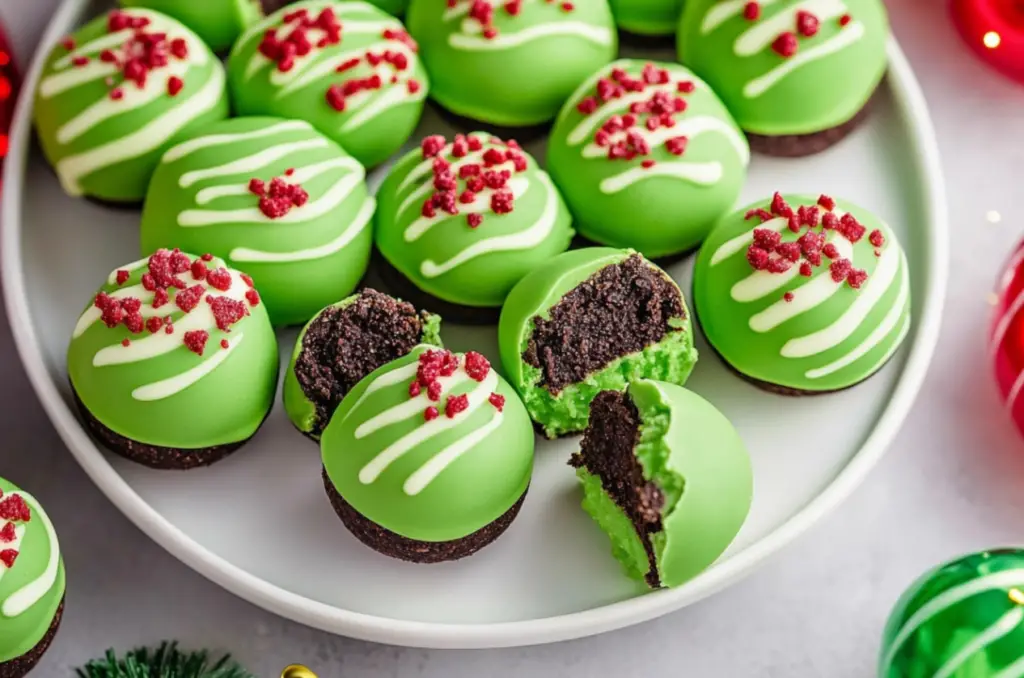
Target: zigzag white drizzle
<point>471,37</point>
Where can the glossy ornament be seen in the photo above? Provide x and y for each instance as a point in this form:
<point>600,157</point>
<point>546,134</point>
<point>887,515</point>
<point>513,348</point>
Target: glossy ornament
<point>994,30</point>
<point>1006,336</point>
<point>964,619</point>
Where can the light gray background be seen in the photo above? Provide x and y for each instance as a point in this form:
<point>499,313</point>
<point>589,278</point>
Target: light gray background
<point>953,482</point>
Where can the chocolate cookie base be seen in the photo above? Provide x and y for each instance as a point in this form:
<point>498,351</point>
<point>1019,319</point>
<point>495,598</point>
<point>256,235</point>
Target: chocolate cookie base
<point>395,545</point>
<point>154,456</point>
<point>20,666</point>
<point>802,145</point>
<point>523,134</point>
<point>403,288</point>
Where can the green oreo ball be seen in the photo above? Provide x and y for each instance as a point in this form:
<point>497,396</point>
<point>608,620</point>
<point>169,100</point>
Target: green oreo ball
<point>647,17</point>
<point>364,90</point>
<point>803,294</point>
<point>667,477</point>
<point>651,137</point>
<point>113,97</point>
<point>272,197</point>
<point>588,321</point>
<point>217,22</point>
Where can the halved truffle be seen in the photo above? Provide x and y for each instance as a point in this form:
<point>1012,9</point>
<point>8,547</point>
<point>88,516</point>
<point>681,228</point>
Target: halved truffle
<point>666,475</point>
<point>343,344</point>
<point>588,321</point>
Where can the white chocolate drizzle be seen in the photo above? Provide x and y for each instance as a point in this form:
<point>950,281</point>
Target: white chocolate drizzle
<point>31,593</point>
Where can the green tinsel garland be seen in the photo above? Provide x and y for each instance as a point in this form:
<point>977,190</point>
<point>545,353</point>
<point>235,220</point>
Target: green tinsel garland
<point>167,661</point>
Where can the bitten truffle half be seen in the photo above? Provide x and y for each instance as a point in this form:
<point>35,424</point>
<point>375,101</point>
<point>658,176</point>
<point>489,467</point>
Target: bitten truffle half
<point>587,321</point>
<point>31,581</point>
<point>174,362</point>
<point>429,457</point>
<point>344,343</point>
<point>667,477</point>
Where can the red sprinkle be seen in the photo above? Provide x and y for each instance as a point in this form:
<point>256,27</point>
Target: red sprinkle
<point>455,404</point>
<point>474,220</point>
<point>218,278</point>
<point>224,343</point>
<point>227,311</point>
<point>14,508</point>
<point>827,202</point>
<point>497,400</point>
<point>845,19</point>
<point>876,238</point>
<point>196,340</point>
<point>154,324</point>
<point>431,413</point>
<point>253,297</point>
<point>122,276</point>
<point>788,296</point>
<point>198,270</point>
<point>752,11</point>
<point>126,342</point>
<point>7,557</point>
<point>807,24</point>
<point>7,533</point>
<point>68,43</point>
<point>175,85</point>
<point>477,366</point>
<point>785,45</point>
<point>189,299</point>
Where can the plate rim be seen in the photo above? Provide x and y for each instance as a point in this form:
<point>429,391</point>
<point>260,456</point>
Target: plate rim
<point>909,100</point>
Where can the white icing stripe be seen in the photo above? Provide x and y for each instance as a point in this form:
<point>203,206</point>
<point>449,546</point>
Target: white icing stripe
<point>308,212</point>
<point>143,140</point>
<point>302,63</point>
<point>418,196</point>
<point>213,140</point>
<point>178,383</point>
<point>478,43</point>
<point>690,127</point>
<point>436,465</point>
<point>94,47</point>
<point>833,335</point>
<point>477,397</point>
<point>887,325</point>
<point>810,295</point>
<point>481,203</point>
<point>404,373</point>
<point>252,163</point>
<point>762,33</point>
<point>586,127</point>
<point>723,11</point>
<point>947,599</point>
<point>760,284</point>
<point>425,167</point>
<point>69,79</point>
<point>359,224</point>
<point>700,173</point>
<point>742,241</point>
<point>531,237</point>
<point>1003,627</point>
<point>19,535</point>
<point>92,314</point>
<point>395,95</point>
<point>413,407</point>
<point>904,330</point>
<point>299,176</point>
<point>850,34</point>
<point>32,592</point>
<point>1014,670</point>
<point>327,67</point>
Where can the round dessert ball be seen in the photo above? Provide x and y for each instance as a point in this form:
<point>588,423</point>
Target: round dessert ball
<point>272,197</point>
<point>217,22</point>
<point>964,619</point>
<point>797,78</point>
<point>348,68</point>
<point>31,581</point>
<point>341,345</point>
<point>174,363</point>
<point>510,63</point>
<point>661,467</point>
<point>803,294</point>
<point>462,221</point>
<point>647,17</point>
<point>113,96</point>
<point>650,138</point>
<point>588,321</point>
<point>429,457</point>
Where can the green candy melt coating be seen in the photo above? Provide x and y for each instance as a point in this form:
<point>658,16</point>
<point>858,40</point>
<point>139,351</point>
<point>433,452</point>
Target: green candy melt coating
<point>200,200</point>
<point>695,456</point>
<point>964,619</point>
<point>671,359</point>
<point>375,122</point>
<point>825,83</point>
<point>433,480</point>
<point>523,73</point>
<point>647,17</point>
<point>829,336</point>
<point>156,390</point>
<point>393,7</point>
<point>447,258</point>
<point>217,22</point>
<point>301,410</point>
<point>680,195</point>
<point>32,590</point>
<point>107,147</point>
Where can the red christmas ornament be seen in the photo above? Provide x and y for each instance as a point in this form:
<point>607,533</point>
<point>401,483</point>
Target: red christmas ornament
<point>8,90</point>
<point>994,29</point>
<point>1006,337</point>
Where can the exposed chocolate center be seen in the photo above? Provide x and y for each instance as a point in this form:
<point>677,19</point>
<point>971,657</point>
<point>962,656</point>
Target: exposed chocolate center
<point>619,310</point>
<point>343,345</point>
<point>606,451</point>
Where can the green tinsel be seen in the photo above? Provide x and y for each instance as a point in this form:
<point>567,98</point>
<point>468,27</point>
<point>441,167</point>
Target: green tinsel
<point>167,661</point>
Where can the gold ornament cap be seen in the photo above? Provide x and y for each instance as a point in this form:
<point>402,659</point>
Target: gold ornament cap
<point>297,671</point>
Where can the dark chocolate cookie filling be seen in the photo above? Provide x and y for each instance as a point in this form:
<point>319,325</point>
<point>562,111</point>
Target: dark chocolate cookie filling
<point>343,345</point>
<point>619,310</point>
<point>21,666</point>
<point>606,451</point>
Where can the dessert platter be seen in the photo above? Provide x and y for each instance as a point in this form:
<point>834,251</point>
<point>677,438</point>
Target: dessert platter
<point>460,323</point>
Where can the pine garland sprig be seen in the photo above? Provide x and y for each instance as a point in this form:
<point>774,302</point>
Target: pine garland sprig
<point>166,661</point>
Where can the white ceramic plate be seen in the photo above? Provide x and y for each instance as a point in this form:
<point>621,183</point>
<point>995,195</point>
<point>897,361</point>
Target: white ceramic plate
<point>259,524</point>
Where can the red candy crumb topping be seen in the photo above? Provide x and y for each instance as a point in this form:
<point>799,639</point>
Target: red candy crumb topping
<point>277,197</point>
<point>431,413</point>
<point>253,297</point>
<point>7,533</point>
<point>14,508</point>
<point>483,11</point>
<point>497,400</point>
<point>196,340</point>
<point>788,296</point>
<point>767,251</point>
<point>435,364</point>
<point>227,311</point>
<point>224,343</point>
<point>752,11</point>
<point>806,26</point>
<point>477,366</point>
<point>7,557</point>
<point>456,404</point>
<point>142,55</point>
<point>785,45</point>
<point>122,276</point>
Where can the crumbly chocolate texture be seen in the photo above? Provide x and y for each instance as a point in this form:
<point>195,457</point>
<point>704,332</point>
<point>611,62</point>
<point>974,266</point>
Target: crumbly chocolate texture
<point>451,312</point>
<point>606,451</point>
<point>343,345</point>
<point>801,145</point>
<point>154,456</point>
<point>21,666</point>
<point>621,309</point>
<point>395,545</point>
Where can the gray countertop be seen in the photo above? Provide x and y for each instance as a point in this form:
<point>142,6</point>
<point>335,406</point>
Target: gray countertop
<point>953,481</point>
